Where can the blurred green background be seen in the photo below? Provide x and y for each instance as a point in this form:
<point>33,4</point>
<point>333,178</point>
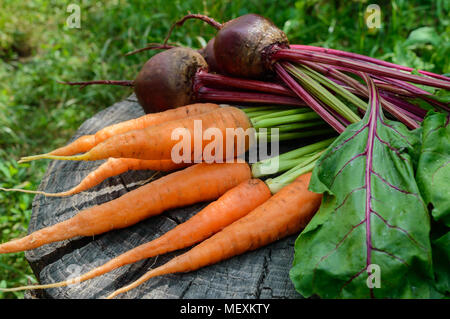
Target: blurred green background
<point>37,49</point>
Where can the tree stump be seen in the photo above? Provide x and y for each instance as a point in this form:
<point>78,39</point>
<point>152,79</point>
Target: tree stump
<point>263,273</point>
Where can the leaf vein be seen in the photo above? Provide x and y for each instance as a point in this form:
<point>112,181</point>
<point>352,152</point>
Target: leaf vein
<point>396,150</point>
<point>392,186</point>
<point>396,131</point>
<point>348,162</point>
<point>398,228</point>
<point>337,246</point>
<point>337,148</point>
<point>347,196</point>
<point>391,255</point>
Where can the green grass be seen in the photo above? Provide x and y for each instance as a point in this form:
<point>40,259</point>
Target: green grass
<point>37,49</point>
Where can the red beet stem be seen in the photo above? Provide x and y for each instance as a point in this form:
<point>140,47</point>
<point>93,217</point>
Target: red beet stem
<point>202,17</point>
<point>299,56</point>
<point>391,108</point>
<point>413,111</point>
<point>367,59</point>
<point>402,115</point>
<point>207,94</point>
<point>304,95</point>
<point>327,69</point>
<point>218,80</point>
<point>417,92</point>
<point>393,89</point>
<point>404,85</point>
<point>335,114</point>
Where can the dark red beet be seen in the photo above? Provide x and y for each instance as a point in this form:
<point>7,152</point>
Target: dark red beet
<point>208,54</point>
<point>241,45</point>
<point>166,80</point>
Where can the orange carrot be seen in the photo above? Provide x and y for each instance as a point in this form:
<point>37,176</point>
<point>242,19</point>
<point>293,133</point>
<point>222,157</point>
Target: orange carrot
<point>285,213</point>
<point>112,167</point>
<point>86,142</point>
<point>234,204</point>
<point>156,143</point>
<point>200,182</point>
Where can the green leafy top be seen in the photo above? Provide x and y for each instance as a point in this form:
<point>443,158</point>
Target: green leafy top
<point>372,217</point>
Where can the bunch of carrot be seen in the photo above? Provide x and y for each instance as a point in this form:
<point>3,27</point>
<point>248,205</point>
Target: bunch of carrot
<point>244,211</point>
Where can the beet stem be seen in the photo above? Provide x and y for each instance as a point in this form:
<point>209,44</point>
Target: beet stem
<point>321,93</point>
<point>365,58</point>
<point>209,79</point>
<point>207,94</point>
<point>202,17</point>
<point>416,92</point>
<point>403,108</point>
<point>151,46</point>
<point>404,104</point>
<point>390,107</point>
<point>299,56</point>
<point>304,95</point>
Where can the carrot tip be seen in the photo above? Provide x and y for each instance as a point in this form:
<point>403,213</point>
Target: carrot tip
<point>53,157</point>
<point>31,158</point>
<point>62,194</point>
<point>114,294</point>
<point>18,190</point>
<point>33,287</point>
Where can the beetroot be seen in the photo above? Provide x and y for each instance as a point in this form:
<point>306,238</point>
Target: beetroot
<point>179,76</point>
<point>242,45</point>
<point>166,80</point>
<point>251,46</point>
<point>208,54</point>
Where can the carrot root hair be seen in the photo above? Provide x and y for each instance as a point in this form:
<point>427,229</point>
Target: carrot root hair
<point>27,191</point>
<point>26,159</point>
<point>47,286</point>
<point>153,273</point>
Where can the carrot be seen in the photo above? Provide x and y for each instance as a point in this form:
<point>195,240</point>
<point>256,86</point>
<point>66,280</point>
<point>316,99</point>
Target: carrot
<point>155,142</point>
<point>234,204</point>
<point>200,182</point>
<point>112,167</point>
<point>285,213</point>
<point>86,142</point>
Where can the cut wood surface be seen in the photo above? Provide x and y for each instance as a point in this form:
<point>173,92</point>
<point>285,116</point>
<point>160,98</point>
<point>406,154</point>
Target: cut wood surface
<point>263,273</point>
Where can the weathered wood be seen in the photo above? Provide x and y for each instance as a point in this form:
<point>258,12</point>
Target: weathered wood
<point>263,273</point>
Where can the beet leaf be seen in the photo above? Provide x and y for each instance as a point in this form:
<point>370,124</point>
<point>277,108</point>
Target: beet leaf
<point>441,260</point>
<point>433,171</point>
<point>371,235</point>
